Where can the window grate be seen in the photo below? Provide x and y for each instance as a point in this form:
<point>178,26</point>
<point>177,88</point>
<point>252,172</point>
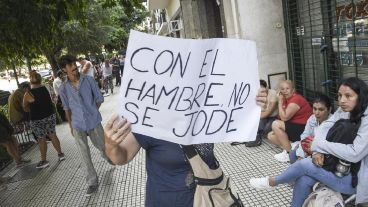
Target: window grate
<point>327,41</point>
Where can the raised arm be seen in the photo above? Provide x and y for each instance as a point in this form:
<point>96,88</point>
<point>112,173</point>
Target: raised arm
<point>287,113</point>
<point>86,68</point>
<point>121,145</point>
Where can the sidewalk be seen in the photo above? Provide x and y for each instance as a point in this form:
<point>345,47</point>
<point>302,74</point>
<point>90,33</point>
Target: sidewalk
<point>63,183</point>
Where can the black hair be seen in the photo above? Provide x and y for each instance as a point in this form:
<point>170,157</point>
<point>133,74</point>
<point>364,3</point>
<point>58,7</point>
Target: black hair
<point>360,88</point>
<point>25,85</point>
<point>324,99</point>
<point>66,59</point>
<point>263,83</point>
<point>59,73</point>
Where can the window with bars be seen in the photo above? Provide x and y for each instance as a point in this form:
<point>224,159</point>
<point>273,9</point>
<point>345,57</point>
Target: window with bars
<point>327,41</point>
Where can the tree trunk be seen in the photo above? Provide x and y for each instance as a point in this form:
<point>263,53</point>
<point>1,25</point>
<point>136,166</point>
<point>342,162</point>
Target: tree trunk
<point>15,74</point>
<point>52,61</point>
<point>52,56</point>
<point>28,60</point>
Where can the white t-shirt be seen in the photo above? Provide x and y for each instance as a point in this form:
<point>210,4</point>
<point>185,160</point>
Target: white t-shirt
<point>90,71</point>
<point>106,71</point>
<point>56,85</point>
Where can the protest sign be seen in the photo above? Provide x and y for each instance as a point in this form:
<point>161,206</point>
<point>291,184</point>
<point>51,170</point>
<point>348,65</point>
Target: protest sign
<point>191,91</point>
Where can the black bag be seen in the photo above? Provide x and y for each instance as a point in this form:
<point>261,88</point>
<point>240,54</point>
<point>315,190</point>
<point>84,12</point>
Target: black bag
<point>212,186</point>
<point>343,131</point>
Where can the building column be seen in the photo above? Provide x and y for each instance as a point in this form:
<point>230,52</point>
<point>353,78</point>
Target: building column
<point>201,19</point>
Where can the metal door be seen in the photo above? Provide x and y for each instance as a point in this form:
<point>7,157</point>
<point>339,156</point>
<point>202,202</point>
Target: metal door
<point>308,45</point>
<point>327,41</point>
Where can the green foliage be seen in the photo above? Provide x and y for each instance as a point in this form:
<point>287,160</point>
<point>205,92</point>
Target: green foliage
<point>4,110</point>
<point>36,28</point>
<point>33,26</point>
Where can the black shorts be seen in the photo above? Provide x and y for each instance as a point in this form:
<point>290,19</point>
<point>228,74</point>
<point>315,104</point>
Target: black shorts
<point>294,131</point>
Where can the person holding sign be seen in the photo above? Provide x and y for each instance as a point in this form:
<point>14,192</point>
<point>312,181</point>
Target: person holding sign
<point>294,111</point>
<point>169,177</point>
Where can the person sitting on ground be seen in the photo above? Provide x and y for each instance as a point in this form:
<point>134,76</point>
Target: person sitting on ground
<point>170,181</point>
<point>10,142</point>
<point>43,118</point>
<point>268,115</point>
<point>322,108</point>
<point>353,102</point>
<point>294,111</point>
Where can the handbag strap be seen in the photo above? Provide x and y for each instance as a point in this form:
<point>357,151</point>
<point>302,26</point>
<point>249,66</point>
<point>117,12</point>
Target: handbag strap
<point>203,175</point>
<point>189,151</point>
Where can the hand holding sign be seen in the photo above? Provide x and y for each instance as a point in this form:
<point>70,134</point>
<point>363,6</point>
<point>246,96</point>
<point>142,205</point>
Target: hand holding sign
<point>116,130</point>
<point>191,91</point>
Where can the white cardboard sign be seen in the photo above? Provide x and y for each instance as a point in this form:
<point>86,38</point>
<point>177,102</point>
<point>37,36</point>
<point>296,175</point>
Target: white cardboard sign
<point>191,91</point>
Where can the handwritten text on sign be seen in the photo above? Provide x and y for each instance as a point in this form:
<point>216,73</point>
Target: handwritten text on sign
<point>191,91</point>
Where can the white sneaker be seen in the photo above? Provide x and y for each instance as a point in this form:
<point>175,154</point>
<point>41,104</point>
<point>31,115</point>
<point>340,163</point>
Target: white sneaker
<point>260,183</point>
<point>294,144</point>
<point>282,157</point>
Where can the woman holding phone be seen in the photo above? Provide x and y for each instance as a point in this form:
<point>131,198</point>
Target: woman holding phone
<point>294,112</point>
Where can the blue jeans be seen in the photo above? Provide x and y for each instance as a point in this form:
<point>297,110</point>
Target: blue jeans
<point>305,174</point>
<point>292,156</point>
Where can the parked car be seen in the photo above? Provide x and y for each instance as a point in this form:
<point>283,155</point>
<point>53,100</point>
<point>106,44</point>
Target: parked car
<point>45,73</point>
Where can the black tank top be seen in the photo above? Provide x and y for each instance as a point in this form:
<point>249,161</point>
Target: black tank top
<point>42,107</point>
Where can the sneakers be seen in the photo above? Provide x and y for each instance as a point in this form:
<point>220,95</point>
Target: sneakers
<point>294,145</point>
<point>260,183</point>
<point>61,156</point>
<point>43,164</point>
<point>22,163</point>
<point>24,160</point>
<point>91,189</point>
<point>282,157</point>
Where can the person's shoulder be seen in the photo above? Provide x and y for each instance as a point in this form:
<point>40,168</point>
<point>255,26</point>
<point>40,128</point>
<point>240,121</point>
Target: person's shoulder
<point>298,98</point>
<point>366,112</point>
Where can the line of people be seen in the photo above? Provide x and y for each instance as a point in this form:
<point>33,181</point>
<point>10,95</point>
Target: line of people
<point>169,177</point>
<point>304,134</point>
<point>77,99</point>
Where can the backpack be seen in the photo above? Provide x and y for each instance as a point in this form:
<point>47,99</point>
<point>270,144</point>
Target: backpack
<point>323,196</point>
<point>212,186</point>
<point>343,131</point>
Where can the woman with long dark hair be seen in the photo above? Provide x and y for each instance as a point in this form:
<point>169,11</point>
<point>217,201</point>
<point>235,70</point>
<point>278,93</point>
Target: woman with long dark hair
<point>353,102</point>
